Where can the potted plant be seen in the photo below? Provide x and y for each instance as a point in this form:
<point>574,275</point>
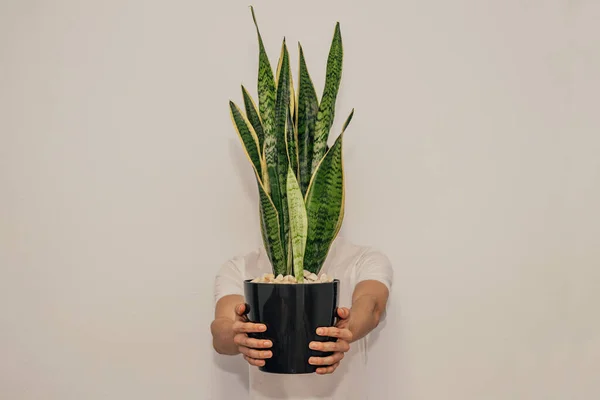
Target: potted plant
<point>300,182</point>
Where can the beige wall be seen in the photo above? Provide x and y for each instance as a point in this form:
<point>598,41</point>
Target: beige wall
<point>473,161</point>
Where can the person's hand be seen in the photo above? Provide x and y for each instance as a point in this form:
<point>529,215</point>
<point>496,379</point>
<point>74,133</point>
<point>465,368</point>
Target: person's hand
<point>253,350</point>
<point>339,347</point>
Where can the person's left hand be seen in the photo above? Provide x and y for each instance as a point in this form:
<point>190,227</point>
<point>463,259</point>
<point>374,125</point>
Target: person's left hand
<point>339,347</point>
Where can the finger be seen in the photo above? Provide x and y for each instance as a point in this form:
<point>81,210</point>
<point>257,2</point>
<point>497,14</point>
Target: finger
<point>240,309</point>
<point>327,370</point>
<point>241,339</point>
<point>248,327</point>
<point>256,363</point>
<point>256,354</point>
<point>330,360</point>
<point>241,313</point>
<point>340,333</point>
<point>340,345</point>
<point>343,312</point>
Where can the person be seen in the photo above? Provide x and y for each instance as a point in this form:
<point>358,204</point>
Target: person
<point>365,276</point>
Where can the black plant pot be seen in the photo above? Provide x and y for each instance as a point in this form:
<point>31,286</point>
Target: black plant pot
<point>292,314</point>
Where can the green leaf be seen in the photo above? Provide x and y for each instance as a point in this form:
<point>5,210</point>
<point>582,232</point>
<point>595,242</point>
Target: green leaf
<point>270,173</point>
<point>282,104</point>
<point>308,106</point>
<point>290,260</point>
<point>347,122</point>
<point>264,176</point>
<point>341,217</point>
<point>326,113</point>
<point>247,136</point>
<point>325,204</point>
<point>271,234</point>
<point>253,117</point>
<point>298,224</point>
<point>266,84</point>
<point>269,216</point>
<point>293,105</point>
<point>291,143</point>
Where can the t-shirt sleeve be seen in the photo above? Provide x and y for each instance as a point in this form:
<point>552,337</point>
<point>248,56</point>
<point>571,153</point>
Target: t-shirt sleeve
<point>374,265</point>
<point>229,280</point>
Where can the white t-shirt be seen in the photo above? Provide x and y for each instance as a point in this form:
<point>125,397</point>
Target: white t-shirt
<point>350,264</point>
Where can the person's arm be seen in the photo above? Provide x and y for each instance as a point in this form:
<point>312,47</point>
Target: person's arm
<point>222,326</point>
<point>368,303</point>
<point>230,326</point>
<point>369,300</point>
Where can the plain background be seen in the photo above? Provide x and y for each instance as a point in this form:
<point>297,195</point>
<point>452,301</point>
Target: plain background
<point>472,162</point>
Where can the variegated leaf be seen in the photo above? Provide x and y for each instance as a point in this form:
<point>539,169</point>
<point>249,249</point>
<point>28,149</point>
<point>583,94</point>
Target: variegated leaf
<point>271,234</point>
<point>325,200</point>
<point>282,100</point>
<point>326,113</point>
<point>253,117</point>
<point>298,224</point>
<point>308,106</point>
<point>291,144</point>
<point>266,84</point>
<point>247,135</point>
<point>269,216</point>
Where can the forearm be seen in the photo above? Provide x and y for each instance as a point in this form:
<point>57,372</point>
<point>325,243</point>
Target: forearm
<point>364,316</point>
<point>222,332</point>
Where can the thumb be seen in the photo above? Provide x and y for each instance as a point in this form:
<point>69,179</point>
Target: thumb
<point>240,309</point>
<point>343,312</point>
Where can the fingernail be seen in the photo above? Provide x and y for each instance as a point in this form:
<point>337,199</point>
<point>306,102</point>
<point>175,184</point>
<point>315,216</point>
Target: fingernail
<point>312,345</point>
<point>319,331</point>
<point>266,343</point>
<point>311,360</point>
<point>263,328</point>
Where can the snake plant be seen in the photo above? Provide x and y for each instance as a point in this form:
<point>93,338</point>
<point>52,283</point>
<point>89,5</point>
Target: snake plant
<point>300,178</point>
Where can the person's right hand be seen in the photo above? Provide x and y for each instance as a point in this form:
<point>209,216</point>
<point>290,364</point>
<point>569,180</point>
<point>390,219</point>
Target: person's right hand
<point>253,350</point>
